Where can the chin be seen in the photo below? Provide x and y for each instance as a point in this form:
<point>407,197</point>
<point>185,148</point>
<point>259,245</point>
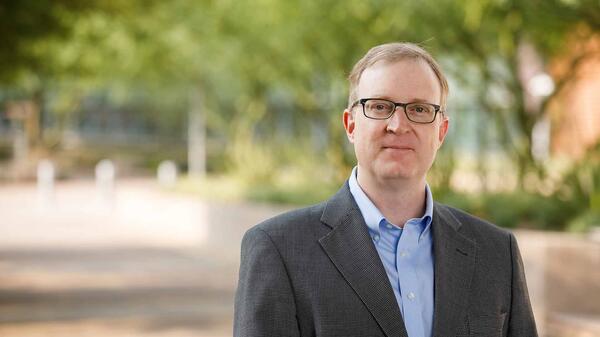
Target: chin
<point>396,172</point>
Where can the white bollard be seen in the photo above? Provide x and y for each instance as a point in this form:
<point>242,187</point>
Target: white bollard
<point>167,173</point>
<point>105,182</point>
<point>45,183</point>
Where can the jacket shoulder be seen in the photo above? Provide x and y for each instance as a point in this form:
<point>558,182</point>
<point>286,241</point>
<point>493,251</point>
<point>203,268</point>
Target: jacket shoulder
<point>471,224</point>
<point>291,221</point>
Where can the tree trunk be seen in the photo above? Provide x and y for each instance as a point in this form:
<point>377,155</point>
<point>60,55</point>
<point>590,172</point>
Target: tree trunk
<point>196,134</point>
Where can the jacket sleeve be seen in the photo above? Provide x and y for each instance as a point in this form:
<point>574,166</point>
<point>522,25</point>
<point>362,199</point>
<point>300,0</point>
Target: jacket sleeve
<point>521,322</point>
<point>264,301</point>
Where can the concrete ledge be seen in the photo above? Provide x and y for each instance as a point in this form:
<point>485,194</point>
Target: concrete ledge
<point>567,325</point>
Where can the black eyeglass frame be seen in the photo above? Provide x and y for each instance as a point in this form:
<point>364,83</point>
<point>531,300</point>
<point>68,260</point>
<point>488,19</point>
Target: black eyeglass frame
<point>362,102</point>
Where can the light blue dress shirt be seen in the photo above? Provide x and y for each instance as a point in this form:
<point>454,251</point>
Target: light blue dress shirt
<point>407,255</point>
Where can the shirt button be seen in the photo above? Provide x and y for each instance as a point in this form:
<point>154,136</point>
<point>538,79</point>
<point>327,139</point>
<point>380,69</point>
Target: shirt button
<point>376,237</point>
<point>403,253</point>
<point>389,226</point>
<point>411,296</point>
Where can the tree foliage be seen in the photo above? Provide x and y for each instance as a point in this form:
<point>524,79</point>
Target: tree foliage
<point>272,73</point>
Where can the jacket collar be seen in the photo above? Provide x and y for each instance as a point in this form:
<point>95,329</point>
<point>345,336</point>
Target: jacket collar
<point>351,250</point>
<point>455,256</point>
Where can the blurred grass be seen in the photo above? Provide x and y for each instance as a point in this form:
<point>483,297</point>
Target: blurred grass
<point>301,177</point>
<point>509,209</point>
<point>306,179</point>
<point>291,190</point>
<point>517,209</point>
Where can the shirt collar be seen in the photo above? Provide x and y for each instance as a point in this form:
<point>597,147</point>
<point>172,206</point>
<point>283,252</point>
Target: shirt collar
<point>372,215</point>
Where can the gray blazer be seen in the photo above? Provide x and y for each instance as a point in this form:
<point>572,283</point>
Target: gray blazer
<point>316,272</point>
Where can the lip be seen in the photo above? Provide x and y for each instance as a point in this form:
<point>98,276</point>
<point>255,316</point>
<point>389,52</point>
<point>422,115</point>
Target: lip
<point>398,147</point>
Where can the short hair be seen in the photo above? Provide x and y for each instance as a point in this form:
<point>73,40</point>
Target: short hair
<point>394,52</point>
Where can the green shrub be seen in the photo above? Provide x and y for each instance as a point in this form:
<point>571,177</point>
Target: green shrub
<point>585,221</point>
<point>517,209</point>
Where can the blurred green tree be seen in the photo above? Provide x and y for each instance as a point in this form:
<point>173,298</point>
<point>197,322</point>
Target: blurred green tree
<point>271,74</point>
<point>499,47</point>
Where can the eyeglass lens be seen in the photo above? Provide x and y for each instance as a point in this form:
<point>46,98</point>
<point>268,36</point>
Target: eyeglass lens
<point>383,109</point>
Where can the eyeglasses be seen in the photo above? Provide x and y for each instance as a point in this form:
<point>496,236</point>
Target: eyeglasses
<point>378,108</point>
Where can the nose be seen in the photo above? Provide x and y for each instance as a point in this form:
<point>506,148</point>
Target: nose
<point>398,122</point>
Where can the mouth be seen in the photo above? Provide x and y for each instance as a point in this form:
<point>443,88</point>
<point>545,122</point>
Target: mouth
<point>398,148</point>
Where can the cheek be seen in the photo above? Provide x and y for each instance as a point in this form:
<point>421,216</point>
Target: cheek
<point>434,144</point>
<point>429,145</point>
<point>365,141</point>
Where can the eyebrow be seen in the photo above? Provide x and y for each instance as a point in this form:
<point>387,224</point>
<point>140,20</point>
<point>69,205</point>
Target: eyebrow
<point>415,100</point>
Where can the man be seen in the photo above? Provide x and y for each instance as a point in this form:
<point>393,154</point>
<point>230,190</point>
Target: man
<point>380,258</point>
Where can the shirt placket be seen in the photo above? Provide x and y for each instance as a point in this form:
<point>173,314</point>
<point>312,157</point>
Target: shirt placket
<point>387,245</point>
<point>408,280</point>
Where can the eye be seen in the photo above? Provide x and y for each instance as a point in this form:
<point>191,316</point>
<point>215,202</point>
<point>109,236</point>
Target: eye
<point>420,108</point>
<point>378,106</point>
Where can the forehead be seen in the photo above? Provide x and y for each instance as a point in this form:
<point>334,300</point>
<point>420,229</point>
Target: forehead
<point>404,80</point>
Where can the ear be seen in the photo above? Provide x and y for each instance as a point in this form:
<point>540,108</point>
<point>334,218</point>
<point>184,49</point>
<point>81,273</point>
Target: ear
<point>443,130</point>
<point>349,124</point>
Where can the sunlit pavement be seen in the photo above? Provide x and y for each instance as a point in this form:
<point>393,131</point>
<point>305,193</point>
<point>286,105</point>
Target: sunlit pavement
<point>563,275</point>
<point>150,262</point>
<point>146,262</point>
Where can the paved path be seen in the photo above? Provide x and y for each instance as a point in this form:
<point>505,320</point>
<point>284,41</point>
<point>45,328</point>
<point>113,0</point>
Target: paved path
<point>147,263</point>
<point>150,262</point>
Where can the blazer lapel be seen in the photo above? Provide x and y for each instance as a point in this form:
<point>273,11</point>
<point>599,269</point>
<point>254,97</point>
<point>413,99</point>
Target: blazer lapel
<point>455,257</point>
<point>351,250</point>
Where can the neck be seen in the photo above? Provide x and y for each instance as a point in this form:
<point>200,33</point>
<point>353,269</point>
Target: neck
<point>398,199</point>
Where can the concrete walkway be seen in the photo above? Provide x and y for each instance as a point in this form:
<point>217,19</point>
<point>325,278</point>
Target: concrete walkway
<point>149,262</point>
<point>563,275</point>
<point>146,263</point>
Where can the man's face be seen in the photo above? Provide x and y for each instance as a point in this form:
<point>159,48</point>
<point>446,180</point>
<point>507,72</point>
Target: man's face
<point>396,148</point>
